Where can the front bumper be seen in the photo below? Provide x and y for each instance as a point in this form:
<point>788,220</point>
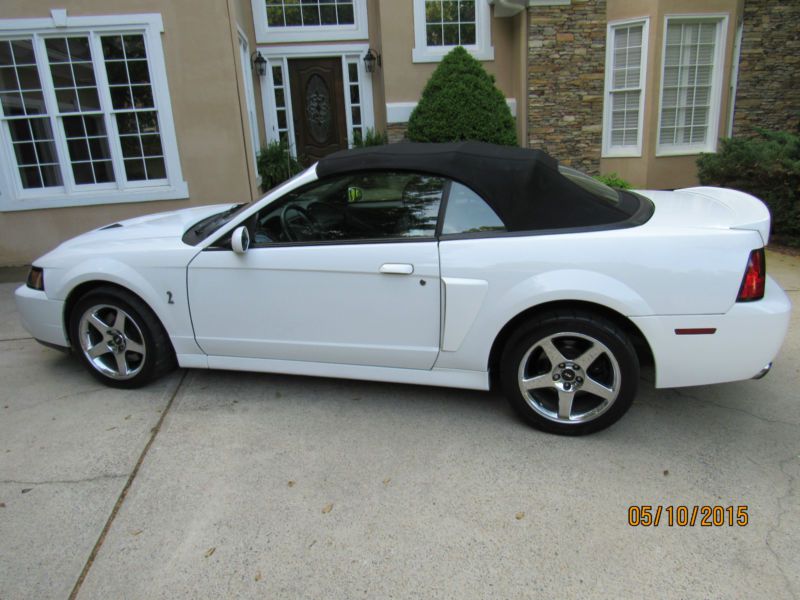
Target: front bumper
<point>42,317</point>
<point>747,337</point>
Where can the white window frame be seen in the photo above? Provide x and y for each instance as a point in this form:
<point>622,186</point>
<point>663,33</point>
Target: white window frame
<point>481,50</point>
<point>635,150</point>
<point>249,93</point>
<point>348,53</point>
<point>737,55</point>
<point>265,34</point>
<point>13,197</point>
<point>715,97</point>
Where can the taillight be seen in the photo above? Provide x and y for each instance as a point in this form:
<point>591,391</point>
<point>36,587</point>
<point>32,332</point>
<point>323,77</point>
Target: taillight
<point>755,277</point>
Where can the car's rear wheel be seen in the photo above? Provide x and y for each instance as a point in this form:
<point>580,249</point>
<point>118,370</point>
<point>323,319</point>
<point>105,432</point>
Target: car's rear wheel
<point>570,372</point>
<point>119,339</point>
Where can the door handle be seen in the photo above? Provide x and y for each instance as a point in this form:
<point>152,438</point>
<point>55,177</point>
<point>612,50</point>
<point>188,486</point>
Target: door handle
<point>396,269</point>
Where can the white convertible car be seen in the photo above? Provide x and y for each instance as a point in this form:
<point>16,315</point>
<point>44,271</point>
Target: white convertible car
<point>457,265</point>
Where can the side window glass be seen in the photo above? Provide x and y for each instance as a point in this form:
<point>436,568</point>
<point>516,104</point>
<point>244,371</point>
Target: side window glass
<point>468,213</point>
<point>364,206</point>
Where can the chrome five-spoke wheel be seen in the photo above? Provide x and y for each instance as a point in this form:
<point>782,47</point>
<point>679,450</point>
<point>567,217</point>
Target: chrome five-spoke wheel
<point>569,377</point>
<point>119,338</point>
<point>570,372</point>
<point>112,342</point>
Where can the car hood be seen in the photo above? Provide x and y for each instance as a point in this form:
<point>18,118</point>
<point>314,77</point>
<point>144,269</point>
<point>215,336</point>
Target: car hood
<point>166,225</point>
<point>709,207</point>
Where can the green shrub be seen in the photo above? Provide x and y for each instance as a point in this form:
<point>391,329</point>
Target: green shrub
<point>276,164</point>
<point>369,138</point>
<point>767,167</point>
<point>613,180</point>
<point>461,102</point>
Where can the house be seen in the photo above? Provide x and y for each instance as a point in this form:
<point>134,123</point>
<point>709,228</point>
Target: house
<point>118,108</point>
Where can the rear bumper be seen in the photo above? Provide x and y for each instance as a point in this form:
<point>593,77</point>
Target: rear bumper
<point>41,316</point>
<point>746,338</point>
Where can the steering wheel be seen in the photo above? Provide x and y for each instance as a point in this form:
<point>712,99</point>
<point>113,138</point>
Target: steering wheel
<point>290,226</point>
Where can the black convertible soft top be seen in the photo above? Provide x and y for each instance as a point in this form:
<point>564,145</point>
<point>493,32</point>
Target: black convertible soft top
<point>524,187</point>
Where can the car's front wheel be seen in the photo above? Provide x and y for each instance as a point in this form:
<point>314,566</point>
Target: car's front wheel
<point>119,339</point>
<point>570,372</point>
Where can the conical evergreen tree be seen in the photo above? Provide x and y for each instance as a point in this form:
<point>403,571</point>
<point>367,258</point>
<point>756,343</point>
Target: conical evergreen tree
<point>461,102</point>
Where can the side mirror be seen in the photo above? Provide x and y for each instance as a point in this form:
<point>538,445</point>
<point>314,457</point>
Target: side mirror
<point>240,240</point>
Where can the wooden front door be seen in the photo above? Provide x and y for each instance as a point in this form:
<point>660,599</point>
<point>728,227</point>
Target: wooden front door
<point>320,126</point>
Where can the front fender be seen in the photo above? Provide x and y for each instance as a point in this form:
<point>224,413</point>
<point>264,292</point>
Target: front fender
<point>157,289</point>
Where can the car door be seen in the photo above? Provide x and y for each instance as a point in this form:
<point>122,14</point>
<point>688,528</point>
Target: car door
<point>342,271</point>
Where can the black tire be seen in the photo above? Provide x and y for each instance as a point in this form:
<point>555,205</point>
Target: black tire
<point>575,336</point>
<point>142,342</point>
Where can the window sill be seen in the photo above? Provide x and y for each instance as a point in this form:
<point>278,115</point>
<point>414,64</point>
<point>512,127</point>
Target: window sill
<point>431,55</point>
<point>622,153</point>
<point>150,194</point>
<point>683,150</point>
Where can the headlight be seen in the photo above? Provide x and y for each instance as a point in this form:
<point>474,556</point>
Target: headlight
<point>36,279</point>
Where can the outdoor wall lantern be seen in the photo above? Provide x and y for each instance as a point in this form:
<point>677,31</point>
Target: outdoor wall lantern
<point>259,64</point>
<point>372,60</point>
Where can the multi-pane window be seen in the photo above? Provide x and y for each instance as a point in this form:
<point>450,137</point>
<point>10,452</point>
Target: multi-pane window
<point>354,93</point>
<point>624,88</point>
<point>688,96</point>
<point>280,91</point>
<point>24,110</point>
<point>78,104</point>
<point>309,13</point>
<point>309,20</point>
<point>450,22</point>
<point>133,106</point>
<point>80,110</point>
<point>440,25</point>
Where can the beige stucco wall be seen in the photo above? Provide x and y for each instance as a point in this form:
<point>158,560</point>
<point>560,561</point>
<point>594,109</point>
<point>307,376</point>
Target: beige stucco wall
<point>201,59</point>
<point>404,79</point>
<point>378,80</point>
<point>668,172</point>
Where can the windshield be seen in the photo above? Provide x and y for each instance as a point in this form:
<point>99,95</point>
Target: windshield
<point>202,229</point>
<point>590,184</point>
<point>198,232</point>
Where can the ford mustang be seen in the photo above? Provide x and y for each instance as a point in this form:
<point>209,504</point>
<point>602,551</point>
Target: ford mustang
<point>465,265</point>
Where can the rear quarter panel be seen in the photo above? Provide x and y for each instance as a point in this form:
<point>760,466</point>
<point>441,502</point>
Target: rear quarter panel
<point>637,272</point>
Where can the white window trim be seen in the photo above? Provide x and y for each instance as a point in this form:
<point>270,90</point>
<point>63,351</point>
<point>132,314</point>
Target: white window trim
<point>737,55</point>
<point>721,20</point>
<point>400,112</point>
<point>610,151</point>
<point>249,92</point>
<point>280,55</point>
<point>481,50</point>
<point>15,198</point>
<point>318,33</point>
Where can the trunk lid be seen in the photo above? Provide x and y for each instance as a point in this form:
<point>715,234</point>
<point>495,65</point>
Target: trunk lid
<point>709,207</point>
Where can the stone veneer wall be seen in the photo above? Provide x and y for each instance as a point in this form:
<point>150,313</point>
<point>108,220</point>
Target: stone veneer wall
<point>397,132</point>
<point>768,90</point>
<point>566,66</point>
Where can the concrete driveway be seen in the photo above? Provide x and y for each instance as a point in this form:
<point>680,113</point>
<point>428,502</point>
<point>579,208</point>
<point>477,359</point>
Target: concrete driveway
<point>224,485</point>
